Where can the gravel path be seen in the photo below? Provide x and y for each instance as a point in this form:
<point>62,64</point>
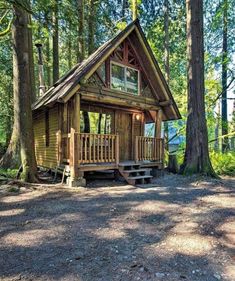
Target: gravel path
<point>176,229</point>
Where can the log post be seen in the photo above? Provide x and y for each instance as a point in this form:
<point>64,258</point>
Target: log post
<point>72,163</point>
<point>75,178</point>
<point>158,124</point>
<point>136,149</point>
<point>117,149</point>
<point>158,128</point>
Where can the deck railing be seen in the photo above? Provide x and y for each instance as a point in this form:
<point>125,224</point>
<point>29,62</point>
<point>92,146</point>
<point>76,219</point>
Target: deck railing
<point>104,148</point>
<point>98,148</point>
<point>147,148</point>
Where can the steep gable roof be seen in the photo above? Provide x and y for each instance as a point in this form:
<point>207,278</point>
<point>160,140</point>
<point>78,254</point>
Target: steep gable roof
<point>68,84</point>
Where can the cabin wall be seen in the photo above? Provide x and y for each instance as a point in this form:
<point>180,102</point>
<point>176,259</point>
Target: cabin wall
<point>46,156</point>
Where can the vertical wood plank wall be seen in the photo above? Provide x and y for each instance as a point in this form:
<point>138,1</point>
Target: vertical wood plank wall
<point>46,156</point>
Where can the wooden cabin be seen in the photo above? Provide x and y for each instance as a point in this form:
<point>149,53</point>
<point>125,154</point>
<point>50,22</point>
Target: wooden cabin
<point>94,117</point>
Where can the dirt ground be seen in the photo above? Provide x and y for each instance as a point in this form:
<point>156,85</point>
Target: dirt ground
<point>178,228</point>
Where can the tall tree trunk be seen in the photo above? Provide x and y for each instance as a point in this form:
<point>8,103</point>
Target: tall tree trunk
<point>31,63</point>
<point>216,145</point>
<point>69,43</point>
<point>55,40</point>
<point>99,123</point>
<point>92,26</point>
<point>166,57</point>
<point>134,7</point>
<point>196,159</point>
<point>233,127</point>
<point>22,88</point>
<point>124,6</point>
<point>48,59</point>
<point>224,112</point>
<point>11,159</point>
<point>81,48</point>
<point>81,40</point>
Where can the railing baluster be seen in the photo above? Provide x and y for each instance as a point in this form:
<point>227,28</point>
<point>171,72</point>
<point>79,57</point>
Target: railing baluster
<point>148,148</point>
<point>105,148</point>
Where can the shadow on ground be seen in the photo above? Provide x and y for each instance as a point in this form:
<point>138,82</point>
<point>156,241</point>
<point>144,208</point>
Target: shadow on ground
<point>177,229</point>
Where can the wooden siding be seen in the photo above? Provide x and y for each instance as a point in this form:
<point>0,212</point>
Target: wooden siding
<point>46,156</point>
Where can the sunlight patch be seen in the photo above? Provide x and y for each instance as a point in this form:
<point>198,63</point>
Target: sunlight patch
<point>189,244</point>
<point>30,237</point>
<point>12,212</point>
<point>110,233</point>
<point>221,201</point>
<point>229,271</point>
<point>228,229</point>
<point>154,206</point>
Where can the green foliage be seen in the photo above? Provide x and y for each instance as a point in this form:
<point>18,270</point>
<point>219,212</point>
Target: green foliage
<point>223,163</point>
<point>9,173</point>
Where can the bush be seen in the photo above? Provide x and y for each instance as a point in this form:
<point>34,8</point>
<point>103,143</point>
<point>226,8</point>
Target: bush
<point>223,163</point>
<point>9,173</point>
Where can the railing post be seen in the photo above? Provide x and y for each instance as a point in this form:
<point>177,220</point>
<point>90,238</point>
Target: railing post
<point>117,149</point>
<point>163,153</point>
<point>73,155</point>
<point>136,149</point>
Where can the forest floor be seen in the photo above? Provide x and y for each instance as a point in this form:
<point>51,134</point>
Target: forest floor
<point>179,228</point>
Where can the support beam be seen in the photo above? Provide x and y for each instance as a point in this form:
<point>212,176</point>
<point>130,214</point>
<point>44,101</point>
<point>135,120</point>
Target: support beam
<point>158,124</point>
<point>74,179</point>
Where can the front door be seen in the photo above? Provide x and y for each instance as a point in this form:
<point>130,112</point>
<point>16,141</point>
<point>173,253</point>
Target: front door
<point>124,130</point>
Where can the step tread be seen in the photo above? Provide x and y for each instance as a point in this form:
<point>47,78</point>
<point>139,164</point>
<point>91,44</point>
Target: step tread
<point>135,170</point>
<point>128,164</point>
<point>139,177</point>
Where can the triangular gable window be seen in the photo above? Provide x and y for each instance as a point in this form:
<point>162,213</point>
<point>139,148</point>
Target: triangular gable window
<point>124,78</point>
<point>124,69</point>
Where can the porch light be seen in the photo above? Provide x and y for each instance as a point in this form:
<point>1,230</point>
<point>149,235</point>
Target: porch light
<point>137,117</point>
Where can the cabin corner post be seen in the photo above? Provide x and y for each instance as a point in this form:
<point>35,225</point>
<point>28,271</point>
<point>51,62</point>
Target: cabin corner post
<point>75,179</point>
<point>158,129</point>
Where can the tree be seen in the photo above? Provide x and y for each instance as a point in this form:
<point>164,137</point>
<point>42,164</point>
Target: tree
<point>196,158</point>
<point>81,31</point>
<point>22,87</point>
<point>224,112</point>
<point>134,8</point>
<point>55,41</point>
<point>166,56</point>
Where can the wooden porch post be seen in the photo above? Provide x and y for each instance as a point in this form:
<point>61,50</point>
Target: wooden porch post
<point>158,128</point>
<point>158,124</point>
<point>75,180</point>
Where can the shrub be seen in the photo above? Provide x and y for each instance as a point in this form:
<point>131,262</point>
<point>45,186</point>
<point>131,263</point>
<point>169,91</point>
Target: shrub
<point>9,173</point>
<point>223,163</point>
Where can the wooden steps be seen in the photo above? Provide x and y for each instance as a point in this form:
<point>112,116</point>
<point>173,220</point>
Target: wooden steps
<point>134,174</point>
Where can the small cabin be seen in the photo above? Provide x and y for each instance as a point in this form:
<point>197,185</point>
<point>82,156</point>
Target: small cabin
<point>94,117</point>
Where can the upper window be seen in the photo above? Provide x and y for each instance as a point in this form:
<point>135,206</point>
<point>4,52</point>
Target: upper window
<point>124,78</point>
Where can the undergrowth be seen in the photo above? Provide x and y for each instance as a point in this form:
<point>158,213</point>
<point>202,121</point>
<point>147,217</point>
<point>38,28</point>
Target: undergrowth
<point>8,173</point>
<point>223,163</point>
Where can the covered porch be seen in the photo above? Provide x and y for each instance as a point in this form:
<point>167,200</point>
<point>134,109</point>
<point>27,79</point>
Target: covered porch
<point>121,142</point>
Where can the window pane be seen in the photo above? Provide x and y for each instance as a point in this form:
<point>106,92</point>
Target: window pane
<point>132,81</point>
<point>118,77</point>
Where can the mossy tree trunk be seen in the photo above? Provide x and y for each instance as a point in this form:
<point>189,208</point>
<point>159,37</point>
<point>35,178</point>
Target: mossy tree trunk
<point>22,87</point>
<point>224,109</point>
<point>196,159</point>
<point>166,58</point>
<point>55,41</point>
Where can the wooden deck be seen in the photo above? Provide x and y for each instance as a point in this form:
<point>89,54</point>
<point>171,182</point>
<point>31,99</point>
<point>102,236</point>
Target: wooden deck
<point>83,152</point>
